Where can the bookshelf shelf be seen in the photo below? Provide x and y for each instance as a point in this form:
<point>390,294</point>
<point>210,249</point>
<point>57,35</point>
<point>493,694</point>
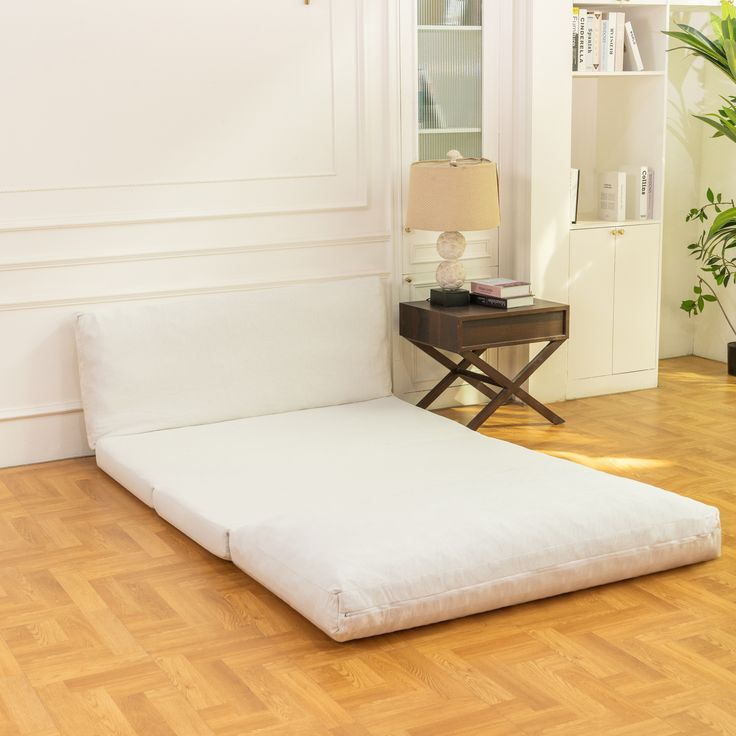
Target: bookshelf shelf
<point>595,224</point>
<point>604,75</point>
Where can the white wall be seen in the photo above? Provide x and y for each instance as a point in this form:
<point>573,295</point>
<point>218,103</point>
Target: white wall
<point>152,150</point>
<point>694,162</point>
<point>718,171</point>
<point>682,191</point>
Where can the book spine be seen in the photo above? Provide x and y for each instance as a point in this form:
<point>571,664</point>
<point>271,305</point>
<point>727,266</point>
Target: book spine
<point>596,31</point>
<point>604,45</point>
<point>620,32</point>
<point>621,203</point>
<point>485,290</point>
<point>650,195</point>
<point>574,194</point>
<point>589,30</point>
<point>632,48</point>
<point>582,38</point>
<point>489,301</point>
<point>643,192</point>
<point>611,44</point>
<point>575,37</point>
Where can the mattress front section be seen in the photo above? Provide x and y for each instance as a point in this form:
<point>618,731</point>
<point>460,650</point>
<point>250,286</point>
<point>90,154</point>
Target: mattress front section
<point>353,585</point>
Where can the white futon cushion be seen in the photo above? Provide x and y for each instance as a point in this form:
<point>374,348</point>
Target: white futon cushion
<point>378,516</point>
<point>179,362</point>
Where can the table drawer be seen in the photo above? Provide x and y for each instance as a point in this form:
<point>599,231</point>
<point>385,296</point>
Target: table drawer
<point>513,329</point>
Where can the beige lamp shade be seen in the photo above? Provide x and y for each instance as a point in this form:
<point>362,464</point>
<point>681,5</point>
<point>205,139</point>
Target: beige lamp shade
<point>449,196</point>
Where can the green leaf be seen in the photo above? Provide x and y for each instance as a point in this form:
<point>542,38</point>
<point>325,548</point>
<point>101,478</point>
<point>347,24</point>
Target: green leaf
<point>687,305</point>
<point>697,289</point>
<point>701,303</point>
<point>729,46</point>
<point>709,195</point>
<point>709,298</point>
<point>723,220</point>
<point>727,279</point>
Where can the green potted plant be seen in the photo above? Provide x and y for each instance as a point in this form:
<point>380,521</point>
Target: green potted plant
<point>715,248</point>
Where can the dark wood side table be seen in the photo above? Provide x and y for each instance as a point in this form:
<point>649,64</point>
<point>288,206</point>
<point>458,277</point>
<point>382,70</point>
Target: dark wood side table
<point>469,331</point>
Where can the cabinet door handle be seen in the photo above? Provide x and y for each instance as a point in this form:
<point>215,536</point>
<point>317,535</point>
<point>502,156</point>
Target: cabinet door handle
<point>408,279</point>
<point>614,232</point>
<point>621,232</point>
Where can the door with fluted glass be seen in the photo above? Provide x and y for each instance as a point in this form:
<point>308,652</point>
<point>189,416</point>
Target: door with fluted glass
<point>449,101</point>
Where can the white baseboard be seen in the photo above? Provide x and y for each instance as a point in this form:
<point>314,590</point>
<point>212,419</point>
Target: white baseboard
<point>616,384</point>
<point>42,437</point>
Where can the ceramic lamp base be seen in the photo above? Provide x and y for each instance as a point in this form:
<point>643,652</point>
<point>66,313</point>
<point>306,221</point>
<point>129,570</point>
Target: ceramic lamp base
<point>449,297</point>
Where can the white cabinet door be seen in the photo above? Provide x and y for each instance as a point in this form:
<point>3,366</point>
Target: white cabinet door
<point>592,259</point>
<point>636,299</point>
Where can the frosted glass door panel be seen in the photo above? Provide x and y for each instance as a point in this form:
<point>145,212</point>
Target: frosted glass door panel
<point>450,99</point>
<point>449,12</point>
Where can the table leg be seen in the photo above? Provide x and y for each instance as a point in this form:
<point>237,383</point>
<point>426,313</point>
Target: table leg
<point>454,372</point>
<point>512,386</point>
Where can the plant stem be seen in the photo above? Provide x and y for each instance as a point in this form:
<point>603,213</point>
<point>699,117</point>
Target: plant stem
<point>718,301</point>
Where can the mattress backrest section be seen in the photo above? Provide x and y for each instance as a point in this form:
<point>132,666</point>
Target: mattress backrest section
<point>167,363</point>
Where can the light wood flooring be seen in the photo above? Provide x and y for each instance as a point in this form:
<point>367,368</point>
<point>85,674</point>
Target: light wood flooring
<point>112,622</point>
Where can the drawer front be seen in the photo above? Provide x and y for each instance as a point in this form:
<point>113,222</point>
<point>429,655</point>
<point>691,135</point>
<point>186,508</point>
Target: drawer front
<point>514,329</point>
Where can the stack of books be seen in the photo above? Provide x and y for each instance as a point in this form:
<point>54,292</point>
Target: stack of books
<point>501,293</point>
<point>603,42</point>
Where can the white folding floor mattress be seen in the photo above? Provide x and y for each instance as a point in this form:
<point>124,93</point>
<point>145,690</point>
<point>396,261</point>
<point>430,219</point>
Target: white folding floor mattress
<point>377,516</point>
<point>364,513</point>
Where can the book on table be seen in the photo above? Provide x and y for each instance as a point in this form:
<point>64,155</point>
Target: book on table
<point>497,302</point>
<point>502,288</point>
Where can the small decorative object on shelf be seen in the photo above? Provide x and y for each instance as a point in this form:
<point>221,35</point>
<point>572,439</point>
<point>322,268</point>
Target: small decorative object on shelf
<point>450,196</point>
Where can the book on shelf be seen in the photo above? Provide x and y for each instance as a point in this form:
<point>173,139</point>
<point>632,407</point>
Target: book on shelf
<point>574,194</point>
<point>632,55</point>
<point>497,302</point>
<point>602,42</point>
<point>646,193</point>
<point>503,288</point>
<point>582,39</point>
<point>612,196</point>
<point>596,29</point>
<point>608,61</point>
<point>640,192</point>
<point>618,55</point>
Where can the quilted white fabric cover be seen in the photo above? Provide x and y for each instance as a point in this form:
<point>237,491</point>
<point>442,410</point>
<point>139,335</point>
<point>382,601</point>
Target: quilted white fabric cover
<point>377,516</point>
<point>179,362</point>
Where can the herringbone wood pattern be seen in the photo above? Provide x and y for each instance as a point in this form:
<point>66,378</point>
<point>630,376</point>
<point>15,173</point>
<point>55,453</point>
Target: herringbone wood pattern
<point>112,622</point>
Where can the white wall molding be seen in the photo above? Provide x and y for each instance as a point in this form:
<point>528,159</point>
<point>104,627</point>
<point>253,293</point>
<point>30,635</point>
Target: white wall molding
<point>170,293</point>
<point>43,410</point>
<point>369,239</point>
<point>277,166</point>
<point>278,172</point>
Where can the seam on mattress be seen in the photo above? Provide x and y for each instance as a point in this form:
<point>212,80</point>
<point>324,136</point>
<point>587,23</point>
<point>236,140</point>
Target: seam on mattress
<point>526,573</point>
<point>597,540</point>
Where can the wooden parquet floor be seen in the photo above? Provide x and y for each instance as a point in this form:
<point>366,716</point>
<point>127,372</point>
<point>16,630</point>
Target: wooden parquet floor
<point>114,623</point>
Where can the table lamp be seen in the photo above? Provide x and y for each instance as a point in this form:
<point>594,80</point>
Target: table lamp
<point>449,196</point>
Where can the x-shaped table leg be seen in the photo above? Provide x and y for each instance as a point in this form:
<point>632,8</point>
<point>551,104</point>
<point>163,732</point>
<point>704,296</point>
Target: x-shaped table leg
<point>508,386</point>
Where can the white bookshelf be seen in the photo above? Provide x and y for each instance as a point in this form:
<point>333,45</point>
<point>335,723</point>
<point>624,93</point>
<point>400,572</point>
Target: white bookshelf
<point>618,123</point>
